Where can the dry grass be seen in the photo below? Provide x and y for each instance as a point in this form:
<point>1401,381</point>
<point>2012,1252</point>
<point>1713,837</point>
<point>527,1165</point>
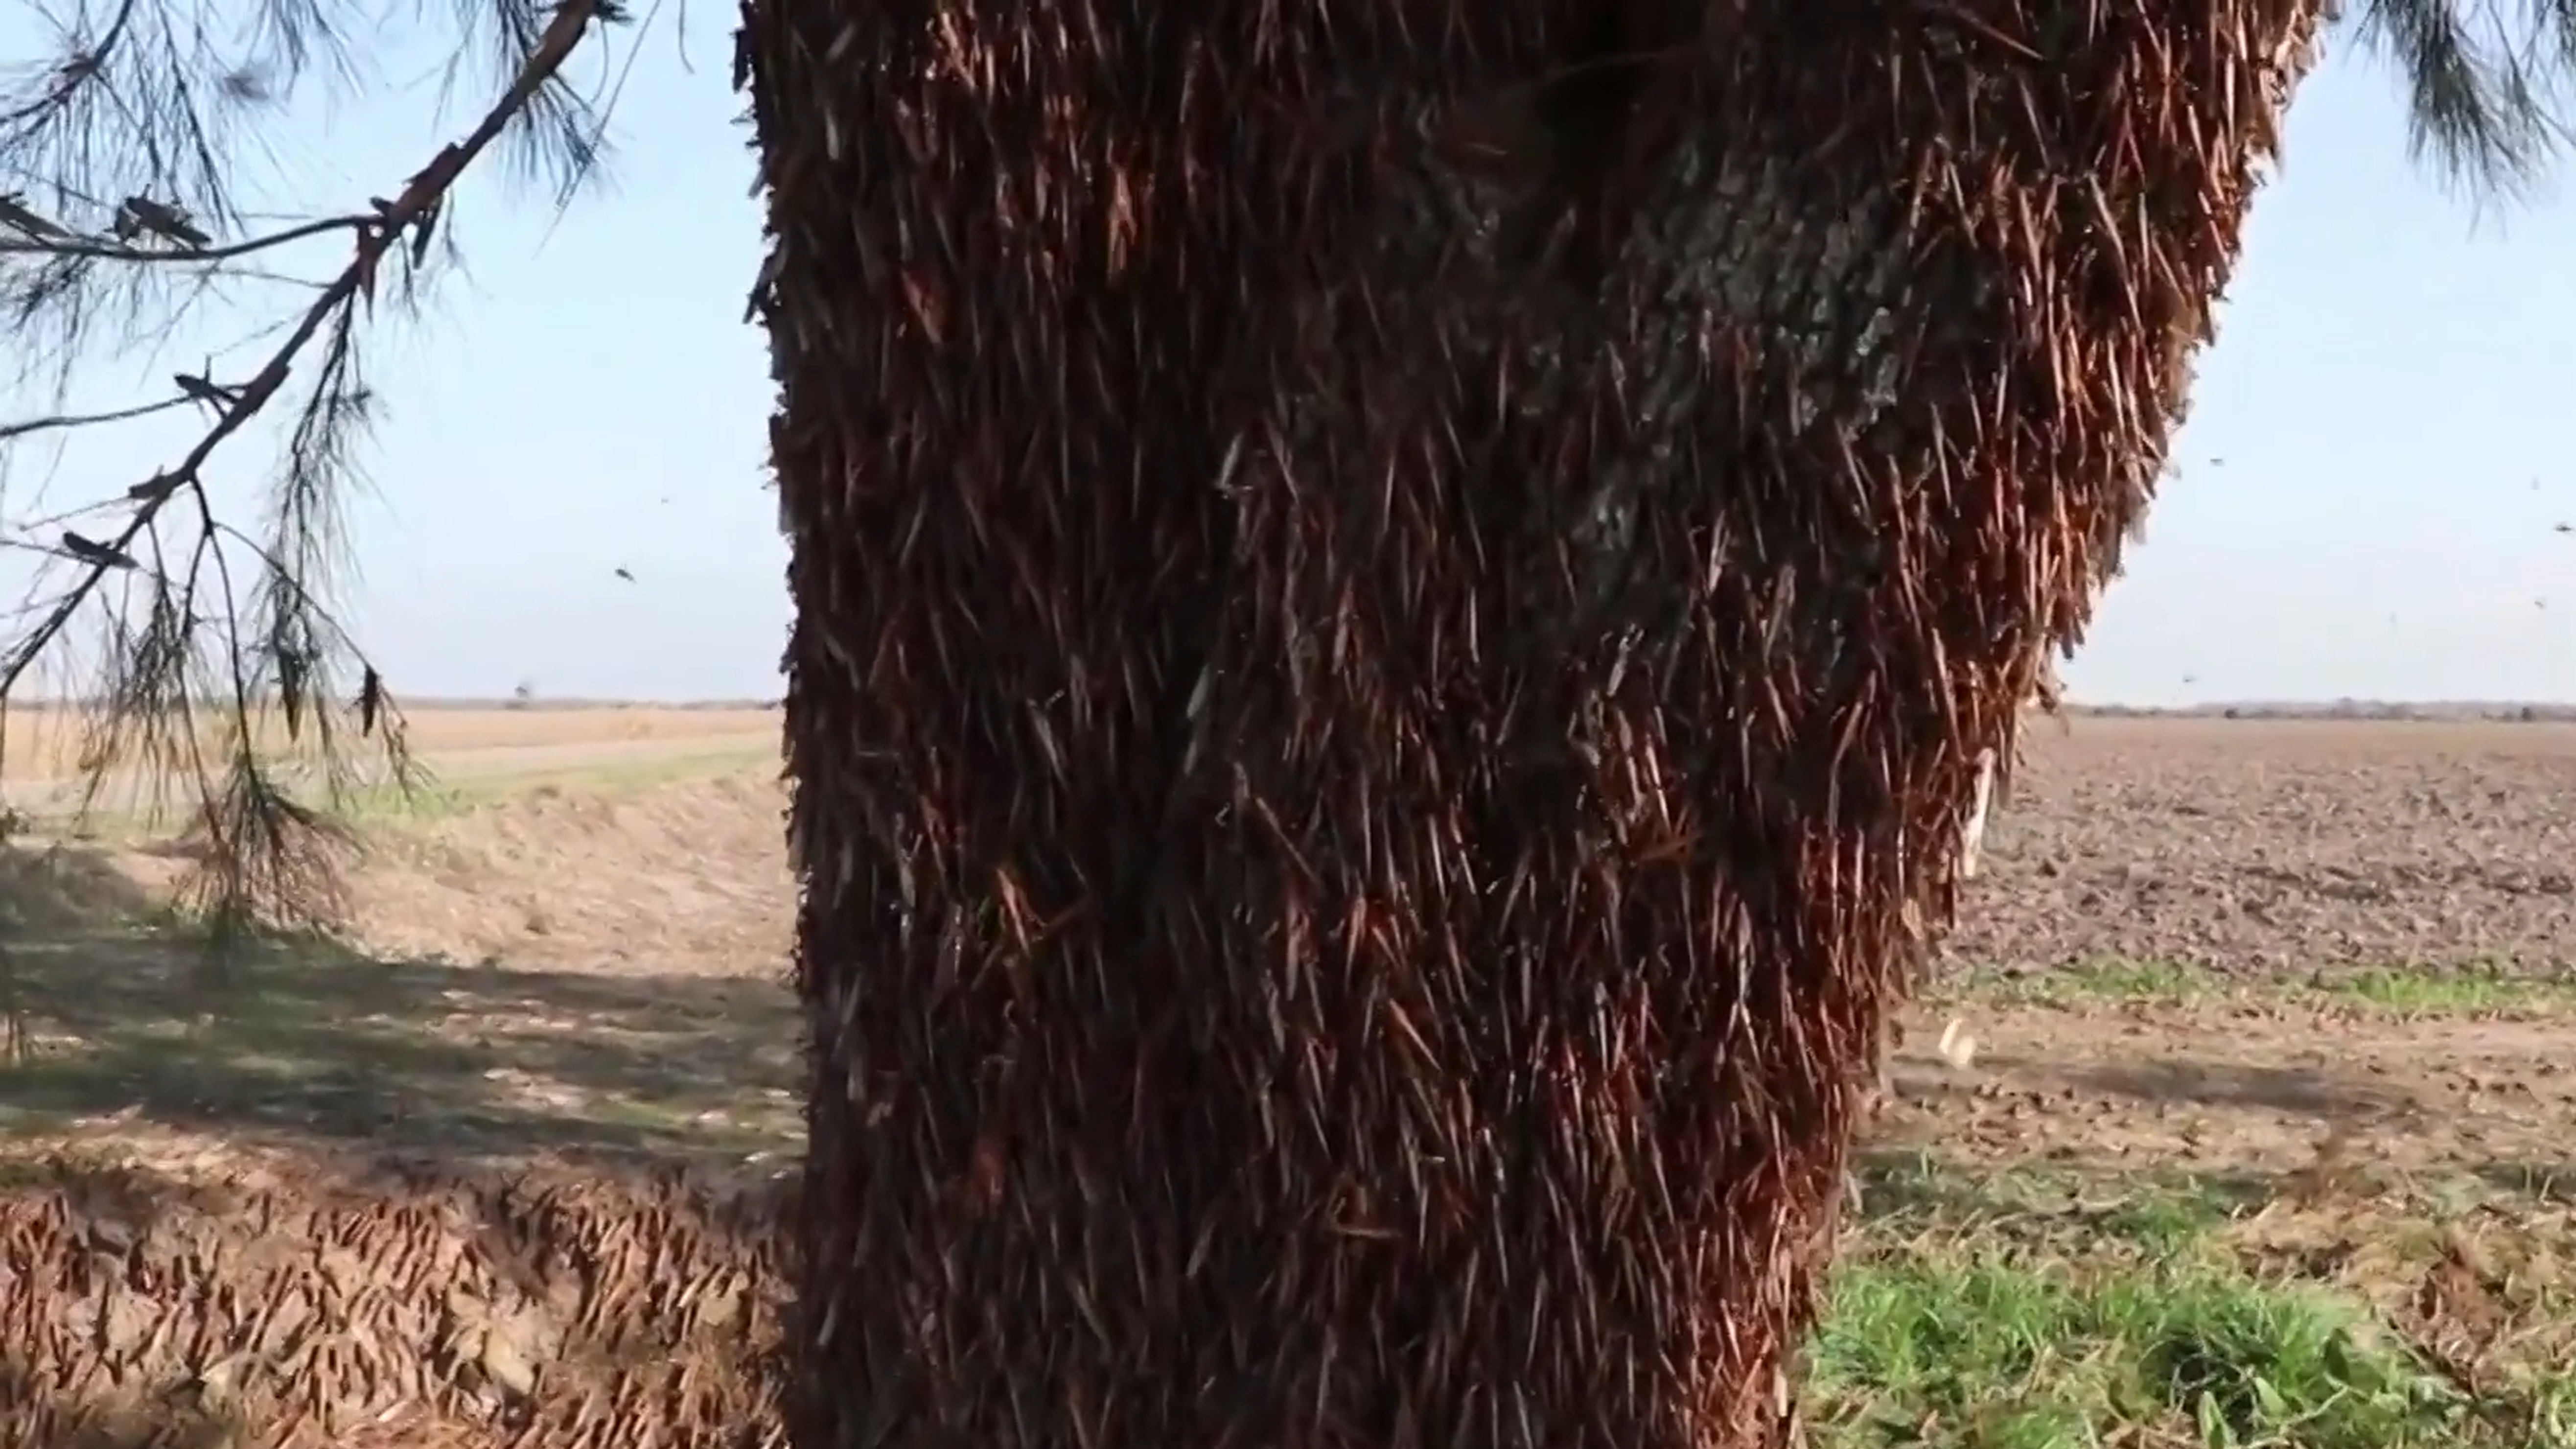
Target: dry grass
<point>462,753</point>
<point>47,739</point>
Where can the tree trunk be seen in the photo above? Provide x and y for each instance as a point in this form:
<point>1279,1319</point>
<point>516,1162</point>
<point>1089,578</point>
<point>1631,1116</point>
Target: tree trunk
<point>1395,623</point>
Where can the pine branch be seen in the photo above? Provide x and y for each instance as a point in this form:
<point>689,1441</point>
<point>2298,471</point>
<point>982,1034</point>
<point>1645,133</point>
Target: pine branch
<point>268,857</point>
<point>45,237</point>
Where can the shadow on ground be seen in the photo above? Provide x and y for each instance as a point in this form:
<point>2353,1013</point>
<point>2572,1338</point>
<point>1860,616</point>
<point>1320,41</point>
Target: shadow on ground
<point>121,1013</point>
<point>2293,1090</point>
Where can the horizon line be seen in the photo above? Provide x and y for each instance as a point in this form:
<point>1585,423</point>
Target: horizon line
<point>2428,710</point>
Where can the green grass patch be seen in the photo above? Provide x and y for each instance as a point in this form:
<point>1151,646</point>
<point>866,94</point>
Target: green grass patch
<point>2460,991</point>
<point>439,799</point>
<point>1917,1203</point>
<point>2003,1352</point>
<point>2031,1308</point>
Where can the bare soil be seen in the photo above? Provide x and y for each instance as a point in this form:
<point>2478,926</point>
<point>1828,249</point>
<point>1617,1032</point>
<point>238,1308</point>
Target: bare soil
<point>584,960</point>
<point>2270,848</point>
<point>2282,854</point>
<point>593,969</point>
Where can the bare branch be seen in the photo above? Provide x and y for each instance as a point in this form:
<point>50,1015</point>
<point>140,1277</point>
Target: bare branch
<point>64,422</point>
<point>48,238</point>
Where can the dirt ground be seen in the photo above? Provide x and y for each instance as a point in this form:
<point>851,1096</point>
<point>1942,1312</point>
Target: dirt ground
<point>2282,847</point>
<point>591,969</point>
<point>2295,858</point>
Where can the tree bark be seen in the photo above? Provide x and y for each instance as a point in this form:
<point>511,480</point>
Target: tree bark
<point>1393,640</point>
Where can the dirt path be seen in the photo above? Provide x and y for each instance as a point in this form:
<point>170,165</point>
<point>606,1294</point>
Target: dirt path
<point>2244,1088</point>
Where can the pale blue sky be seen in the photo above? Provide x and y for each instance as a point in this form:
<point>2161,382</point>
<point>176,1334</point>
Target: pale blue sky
<point>2384,396</point>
